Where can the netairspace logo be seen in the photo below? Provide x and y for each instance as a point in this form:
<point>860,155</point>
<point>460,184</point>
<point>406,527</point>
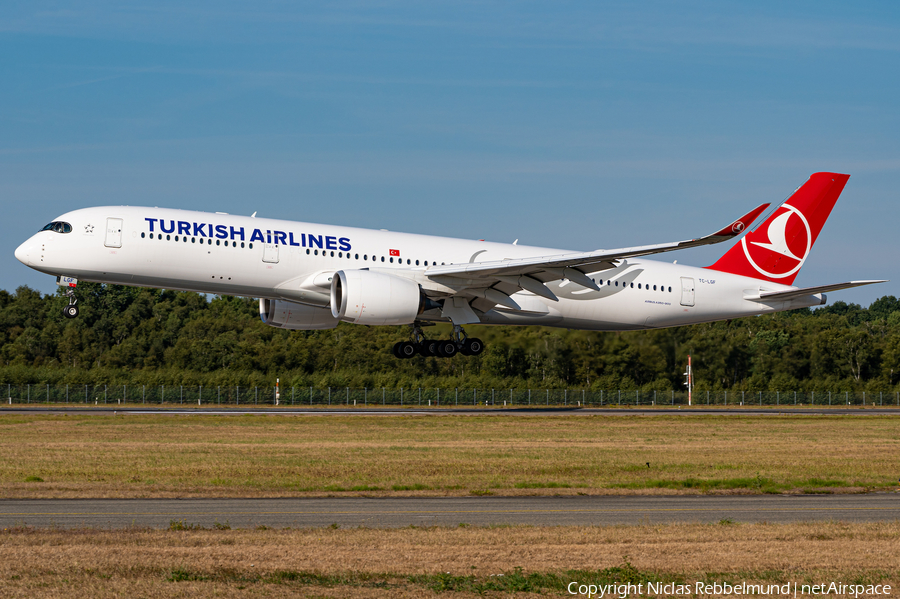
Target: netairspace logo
<point>669,589</point>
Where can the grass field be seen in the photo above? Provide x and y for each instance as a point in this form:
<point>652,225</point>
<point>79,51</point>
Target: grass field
<point>416,562</point>
<point>228,456</point>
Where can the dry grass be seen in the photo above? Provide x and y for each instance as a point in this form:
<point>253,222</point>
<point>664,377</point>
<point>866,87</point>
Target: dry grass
<point>227,456</point>
<point>416,562</point>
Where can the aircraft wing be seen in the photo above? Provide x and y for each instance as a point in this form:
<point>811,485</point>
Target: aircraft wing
<point>764,296</point>
<point>531,273</point>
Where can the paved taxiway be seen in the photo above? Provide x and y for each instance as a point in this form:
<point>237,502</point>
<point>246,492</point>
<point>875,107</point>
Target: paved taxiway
<point>486,411</point>
<point>446,511</point>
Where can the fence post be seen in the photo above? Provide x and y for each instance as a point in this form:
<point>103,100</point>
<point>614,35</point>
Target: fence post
<point>795,398</point>
<point>382,396</point>
<point>529,397</point>
<point>401,397</point>
<point>673,397</point>
<point>420,396</point>
<point>457,396</point>
<point>310,396</point>
<point>365,396</point>
<point>348,396</point>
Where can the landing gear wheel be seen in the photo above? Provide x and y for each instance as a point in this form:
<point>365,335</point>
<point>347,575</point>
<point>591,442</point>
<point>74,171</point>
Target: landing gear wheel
<point>406,349</point>
<point>430,348</point>
<point>446,349</point>
<point>70,311</point>
<point>396,350</point>
<point>472,347</point>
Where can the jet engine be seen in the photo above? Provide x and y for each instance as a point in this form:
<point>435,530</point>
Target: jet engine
<point>299,317</point>
<point>373,298</point>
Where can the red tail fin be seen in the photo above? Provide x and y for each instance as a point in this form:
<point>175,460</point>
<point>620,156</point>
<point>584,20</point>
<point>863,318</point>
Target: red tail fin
<point>777,249</point>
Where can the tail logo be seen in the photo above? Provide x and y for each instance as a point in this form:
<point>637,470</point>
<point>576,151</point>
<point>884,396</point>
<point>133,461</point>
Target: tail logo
<point>737,227</point>
<point>783,256</point>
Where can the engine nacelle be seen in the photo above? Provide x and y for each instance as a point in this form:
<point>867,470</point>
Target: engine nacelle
<point>373,298</point>
<point>298,317</point>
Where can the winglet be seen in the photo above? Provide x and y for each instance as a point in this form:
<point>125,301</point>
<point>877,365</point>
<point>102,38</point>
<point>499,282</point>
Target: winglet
<point>738,226</point>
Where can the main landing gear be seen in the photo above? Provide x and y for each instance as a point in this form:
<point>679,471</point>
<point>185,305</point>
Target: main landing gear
<point>71,311</point>
<point>459,342</point>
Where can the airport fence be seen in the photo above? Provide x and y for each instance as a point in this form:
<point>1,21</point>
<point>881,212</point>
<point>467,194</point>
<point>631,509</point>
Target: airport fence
<point>425,397</point>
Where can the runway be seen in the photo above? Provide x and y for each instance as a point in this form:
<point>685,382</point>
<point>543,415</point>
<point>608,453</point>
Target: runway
<point>445,511</point>
<point>435,411</point>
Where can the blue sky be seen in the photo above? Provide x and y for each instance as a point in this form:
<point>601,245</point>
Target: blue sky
<point>578,125</point>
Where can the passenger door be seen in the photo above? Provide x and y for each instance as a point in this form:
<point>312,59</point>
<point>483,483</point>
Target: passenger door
<point>113,233</point>
<point>270,252</point>
<point>687,291</point>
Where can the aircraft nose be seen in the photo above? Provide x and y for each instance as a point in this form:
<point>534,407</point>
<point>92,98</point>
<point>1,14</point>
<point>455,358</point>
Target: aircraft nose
<point>23,252</point>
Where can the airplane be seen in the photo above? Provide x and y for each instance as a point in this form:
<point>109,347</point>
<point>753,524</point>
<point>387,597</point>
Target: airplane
<point>314,276</point>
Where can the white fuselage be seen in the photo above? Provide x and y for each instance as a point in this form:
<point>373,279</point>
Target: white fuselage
<point>277,259</point>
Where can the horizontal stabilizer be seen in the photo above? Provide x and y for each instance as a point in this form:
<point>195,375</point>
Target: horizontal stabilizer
<point>765,296</point>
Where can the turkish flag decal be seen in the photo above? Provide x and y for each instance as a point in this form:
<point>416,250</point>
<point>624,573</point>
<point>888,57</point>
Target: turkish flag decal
<point>395,252</point>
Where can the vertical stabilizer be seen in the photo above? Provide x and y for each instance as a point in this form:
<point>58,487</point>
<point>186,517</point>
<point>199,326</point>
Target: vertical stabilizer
<point>776,250</point>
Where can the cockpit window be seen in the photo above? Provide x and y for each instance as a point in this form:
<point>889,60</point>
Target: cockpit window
<point>59,227</point>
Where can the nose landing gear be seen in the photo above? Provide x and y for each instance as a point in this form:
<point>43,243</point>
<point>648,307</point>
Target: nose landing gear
<point>71,310</point>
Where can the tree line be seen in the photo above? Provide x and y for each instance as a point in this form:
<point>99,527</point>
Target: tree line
<point>134,336</point>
